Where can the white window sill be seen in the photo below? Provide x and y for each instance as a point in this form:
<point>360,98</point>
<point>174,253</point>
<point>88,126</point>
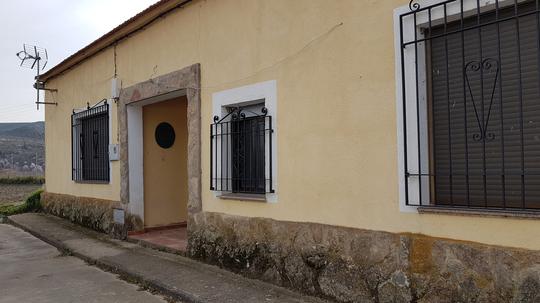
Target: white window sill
<point>243,197</point>
<point>92,182</point>
<point>479,212</point>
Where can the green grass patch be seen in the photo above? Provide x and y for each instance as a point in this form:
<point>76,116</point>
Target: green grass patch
<point>23,180</point>
<point>32,203</point>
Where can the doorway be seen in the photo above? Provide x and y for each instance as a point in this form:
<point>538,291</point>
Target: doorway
<point>181,85</point>
<point>165,173</point>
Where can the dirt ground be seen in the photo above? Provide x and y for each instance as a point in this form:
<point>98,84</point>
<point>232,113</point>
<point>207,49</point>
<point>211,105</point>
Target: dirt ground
<point>16,193</point>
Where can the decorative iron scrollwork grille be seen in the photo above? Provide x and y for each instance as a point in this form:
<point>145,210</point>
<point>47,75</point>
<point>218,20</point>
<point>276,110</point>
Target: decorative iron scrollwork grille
<point>470,83</point>
<point>90,144</point>
<point>241,152</point>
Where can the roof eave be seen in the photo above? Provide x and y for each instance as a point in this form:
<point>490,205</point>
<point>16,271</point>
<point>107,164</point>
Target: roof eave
<point>120,32</point>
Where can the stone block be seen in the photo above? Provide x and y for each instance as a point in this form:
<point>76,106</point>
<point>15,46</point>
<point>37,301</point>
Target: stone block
<point>354,265</point>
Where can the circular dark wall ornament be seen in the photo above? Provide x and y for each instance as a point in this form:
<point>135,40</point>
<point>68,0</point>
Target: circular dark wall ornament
<point>165,135</point>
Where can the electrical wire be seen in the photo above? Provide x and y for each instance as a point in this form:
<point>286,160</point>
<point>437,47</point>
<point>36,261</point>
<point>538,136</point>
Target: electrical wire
<point>86,89</point>
<point>279,62</point>
<point>16,105</point>
<point>16,110</point>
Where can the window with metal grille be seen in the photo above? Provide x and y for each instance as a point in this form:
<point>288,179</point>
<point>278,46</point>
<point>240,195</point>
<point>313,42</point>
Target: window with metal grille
<point>90,144</point>
<point>471,104</point>
<point>241,151</point>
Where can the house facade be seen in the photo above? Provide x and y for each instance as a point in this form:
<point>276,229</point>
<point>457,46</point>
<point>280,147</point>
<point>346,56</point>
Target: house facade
<point>360,151</point>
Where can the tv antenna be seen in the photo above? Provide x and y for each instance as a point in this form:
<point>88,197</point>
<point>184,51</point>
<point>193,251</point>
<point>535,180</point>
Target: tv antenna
<point>36,57</point>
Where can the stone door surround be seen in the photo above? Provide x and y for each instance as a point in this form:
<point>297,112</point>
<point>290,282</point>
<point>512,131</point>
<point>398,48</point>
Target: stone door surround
<point>187,79</point>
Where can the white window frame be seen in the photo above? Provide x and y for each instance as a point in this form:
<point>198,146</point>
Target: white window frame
<point>253,94</point>
<point>437,17</point>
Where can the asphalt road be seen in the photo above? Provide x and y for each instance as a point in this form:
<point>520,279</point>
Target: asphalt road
<point>33,271</point>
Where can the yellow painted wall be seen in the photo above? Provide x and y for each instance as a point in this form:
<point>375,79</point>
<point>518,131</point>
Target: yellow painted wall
<point>82,84</point>
<point>165,170</point>
<point>337,144</point>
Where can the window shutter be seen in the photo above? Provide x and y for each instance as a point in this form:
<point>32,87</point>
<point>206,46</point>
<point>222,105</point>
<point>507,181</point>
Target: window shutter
<point>485,120</point>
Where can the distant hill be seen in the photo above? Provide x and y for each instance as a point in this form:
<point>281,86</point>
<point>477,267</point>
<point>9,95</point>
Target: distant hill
<point>10,126</point>
<point>31,130</point>
<point>22,147</point>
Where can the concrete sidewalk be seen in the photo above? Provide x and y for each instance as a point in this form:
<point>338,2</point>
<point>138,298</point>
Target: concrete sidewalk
<point>33,271</point>
<point>174,276</point>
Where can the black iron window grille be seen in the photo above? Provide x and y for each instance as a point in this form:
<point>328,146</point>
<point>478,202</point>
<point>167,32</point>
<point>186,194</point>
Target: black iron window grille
<point>241,152</point>
<point>90,144</point>
<point>470,83</point>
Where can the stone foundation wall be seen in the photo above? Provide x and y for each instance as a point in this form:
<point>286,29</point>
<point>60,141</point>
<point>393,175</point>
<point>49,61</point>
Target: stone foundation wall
<point>352,265</point>
<point>90,212</point>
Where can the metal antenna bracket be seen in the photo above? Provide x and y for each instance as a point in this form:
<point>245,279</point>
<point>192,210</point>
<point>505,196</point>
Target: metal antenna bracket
<point>36,57</point>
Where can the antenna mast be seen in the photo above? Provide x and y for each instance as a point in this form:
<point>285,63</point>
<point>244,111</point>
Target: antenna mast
<point>32,57</point>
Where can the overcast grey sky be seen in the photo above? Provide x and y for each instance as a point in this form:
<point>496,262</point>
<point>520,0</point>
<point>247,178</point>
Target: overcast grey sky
<point>61,26</point>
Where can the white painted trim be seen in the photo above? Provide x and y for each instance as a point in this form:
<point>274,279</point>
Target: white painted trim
<point>109,110</point>
<point>250,94</point>
<point>437,17</point>
<point>159,98</point>
<point>135,160</point>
